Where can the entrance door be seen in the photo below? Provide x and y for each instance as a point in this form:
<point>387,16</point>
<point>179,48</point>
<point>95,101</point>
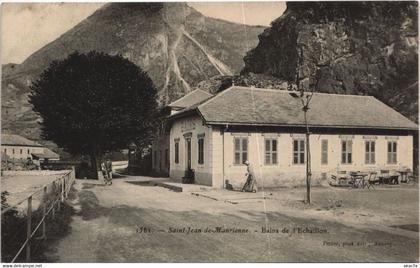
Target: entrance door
<point>188,150</point>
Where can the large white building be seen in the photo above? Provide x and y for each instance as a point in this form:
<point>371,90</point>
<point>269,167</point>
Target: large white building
<point>217,134</point>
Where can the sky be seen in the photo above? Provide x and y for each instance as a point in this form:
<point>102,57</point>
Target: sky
<point>25,28</point>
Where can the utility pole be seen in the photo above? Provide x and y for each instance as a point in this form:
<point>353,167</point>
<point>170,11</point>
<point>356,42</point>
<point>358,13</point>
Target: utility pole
<point>305,108</point>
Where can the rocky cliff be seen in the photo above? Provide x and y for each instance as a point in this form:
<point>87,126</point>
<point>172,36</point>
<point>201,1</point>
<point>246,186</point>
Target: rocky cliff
<point>174,43</point>
<point>345,47</point>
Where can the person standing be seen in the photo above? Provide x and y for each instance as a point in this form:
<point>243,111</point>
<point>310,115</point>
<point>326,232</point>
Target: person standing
<point>109,170</point>
<point>251,182</point>
<point>104,172</point>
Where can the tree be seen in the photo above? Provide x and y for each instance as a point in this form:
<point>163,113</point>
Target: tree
<point>305,98</point>
<point>94,103</point>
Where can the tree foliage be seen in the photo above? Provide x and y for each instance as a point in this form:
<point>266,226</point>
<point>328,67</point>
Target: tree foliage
<point>94,103</point>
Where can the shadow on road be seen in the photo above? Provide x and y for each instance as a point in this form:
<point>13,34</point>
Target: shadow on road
<point>90,208</point>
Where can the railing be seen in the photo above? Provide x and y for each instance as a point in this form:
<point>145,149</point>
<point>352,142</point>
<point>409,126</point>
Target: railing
<point>63,185</point>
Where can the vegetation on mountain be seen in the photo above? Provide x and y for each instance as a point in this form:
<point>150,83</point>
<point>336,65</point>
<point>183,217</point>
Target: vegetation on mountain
<point>366,48</point>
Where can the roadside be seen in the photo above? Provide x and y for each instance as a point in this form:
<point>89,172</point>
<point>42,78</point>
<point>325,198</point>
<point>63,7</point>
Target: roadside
<point>142,223</point>
<point>14,230</point>
<point>383,206</point>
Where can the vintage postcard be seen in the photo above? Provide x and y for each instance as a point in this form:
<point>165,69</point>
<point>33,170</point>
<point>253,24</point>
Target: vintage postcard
<point>210,132</point>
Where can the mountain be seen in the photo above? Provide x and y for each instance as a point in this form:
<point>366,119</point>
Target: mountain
<point>367,48</point>
<point>173,42</point>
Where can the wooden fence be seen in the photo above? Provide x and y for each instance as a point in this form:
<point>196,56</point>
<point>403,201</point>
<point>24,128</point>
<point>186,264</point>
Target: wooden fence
<point>60,188</point>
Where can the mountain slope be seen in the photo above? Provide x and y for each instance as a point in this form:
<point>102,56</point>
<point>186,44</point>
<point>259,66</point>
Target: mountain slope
<point>367,48</point>
<point>174,43</point>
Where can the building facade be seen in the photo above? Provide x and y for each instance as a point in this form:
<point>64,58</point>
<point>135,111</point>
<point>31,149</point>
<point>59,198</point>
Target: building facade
<point>16,147</point>
<point>160,151</point>
<point>348,133</point>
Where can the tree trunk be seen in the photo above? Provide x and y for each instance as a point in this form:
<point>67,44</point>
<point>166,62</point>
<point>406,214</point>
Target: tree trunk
<point>308,161</point>
<point>94,165</point>
<point>308,170</point>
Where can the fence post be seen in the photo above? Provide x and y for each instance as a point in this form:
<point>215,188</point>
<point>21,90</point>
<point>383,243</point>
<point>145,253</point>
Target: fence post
<point>59,195</point>
<point>66,189</point>
<point>64,186</point>
<point>63,183</point>
<point>73,173</point>
<point>54,199</point>
<point>29,230</point>
<point>72,179</point>
<point>68,184</point>
<point>44,214</point>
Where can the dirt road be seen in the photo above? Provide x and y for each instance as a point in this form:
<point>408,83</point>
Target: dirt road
<point>138,223</point>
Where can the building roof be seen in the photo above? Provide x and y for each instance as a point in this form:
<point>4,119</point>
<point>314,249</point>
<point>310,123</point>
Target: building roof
<point>268,107</point>
<point>12,139</point>
<point>47,154</point>
<point>190,99</point>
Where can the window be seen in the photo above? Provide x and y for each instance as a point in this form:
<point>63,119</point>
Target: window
<point>270,151</point>
<point>176,152</point>
<point>324,152</point>
<point>392,152</point>
<point>5,151</point>
<point>13,151</point>
<point>201,150</point>
<point>28,151</point>
<point>346,151</point>
<point>21,151</point>
<point>241,150</point>
<point>369,152</point>
<point>299,151</point>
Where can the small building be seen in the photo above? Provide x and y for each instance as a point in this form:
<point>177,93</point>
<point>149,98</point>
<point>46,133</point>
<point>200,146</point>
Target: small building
<point>15,147</point>
<point>160,145</point>
<point>348,133</point>
<point>46,155</point>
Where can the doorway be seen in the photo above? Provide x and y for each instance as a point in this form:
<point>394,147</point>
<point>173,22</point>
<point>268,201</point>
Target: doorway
<point>188,150</point>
